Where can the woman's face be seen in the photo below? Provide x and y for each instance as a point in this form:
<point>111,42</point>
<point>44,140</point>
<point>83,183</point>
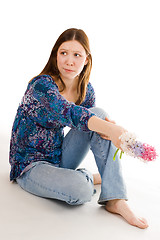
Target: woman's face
<point>71,59</point>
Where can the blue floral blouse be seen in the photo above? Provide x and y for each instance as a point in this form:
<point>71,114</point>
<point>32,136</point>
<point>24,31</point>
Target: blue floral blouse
<point>37,132</point>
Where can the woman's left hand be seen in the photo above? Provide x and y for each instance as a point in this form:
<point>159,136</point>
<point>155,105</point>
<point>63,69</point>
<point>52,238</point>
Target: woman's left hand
<point>105,136</point>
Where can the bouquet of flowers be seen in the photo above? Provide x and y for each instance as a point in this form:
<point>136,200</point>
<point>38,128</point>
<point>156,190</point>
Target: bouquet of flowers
<point>131,146</point>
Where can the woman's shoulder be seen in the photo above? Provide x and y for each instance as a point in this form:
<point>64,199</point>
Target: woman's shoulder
<point>43,80</point>
<point>90,89</point>
<point>43,77</point>
<point>90,97</point>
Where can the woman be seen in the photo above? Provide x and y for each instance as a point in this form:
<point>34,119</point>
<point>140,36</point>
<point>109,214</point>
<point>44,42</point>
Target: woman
<point>43,161</point>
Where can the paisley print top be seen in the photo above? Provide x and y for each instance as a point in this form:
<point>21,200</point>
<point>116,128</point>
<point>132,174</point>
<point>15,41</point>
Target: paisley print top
<point>37,132</point>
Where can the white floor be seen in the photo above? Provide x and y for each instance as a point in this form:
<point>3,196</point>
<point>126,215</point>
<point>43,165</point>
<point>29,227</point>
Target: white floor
<point>26,217</point>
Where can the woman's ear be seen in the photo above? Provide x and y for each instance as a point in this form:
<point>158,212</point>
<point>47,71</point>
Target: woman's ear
<point>86,61</point>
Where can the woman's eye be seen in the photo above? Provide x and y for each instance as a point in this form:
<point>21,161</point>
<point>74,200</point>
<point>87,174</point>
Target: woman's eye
<point>77,55</point>
<point>64,53</point>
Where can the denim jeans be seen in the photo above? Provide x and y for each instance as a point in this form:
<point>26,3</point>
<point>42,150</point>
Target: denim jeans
<point>75,186</point>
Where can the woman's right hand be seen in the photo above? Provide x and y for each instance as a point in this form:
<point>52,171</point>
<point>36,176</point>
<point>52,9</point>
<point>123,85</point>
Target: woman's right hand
<point>116,132</point>
<point>108,130</point>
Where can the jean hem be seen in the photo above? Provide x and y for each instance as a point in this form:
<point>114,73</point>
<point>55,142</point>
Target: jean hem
<point>105,200</point>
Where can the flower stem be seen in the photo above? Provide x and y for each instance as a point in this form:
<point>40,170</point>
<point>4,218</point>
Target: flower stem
<point>114,157</point>
<point>121,154</point>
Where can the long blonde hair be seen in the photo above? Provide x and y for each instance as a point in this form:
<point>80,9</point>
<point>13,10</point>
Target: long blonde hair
<point>52,69</point>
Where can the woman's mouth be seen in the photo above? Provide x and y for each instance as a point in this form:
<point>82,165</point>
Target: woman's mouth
<point>68,70</point>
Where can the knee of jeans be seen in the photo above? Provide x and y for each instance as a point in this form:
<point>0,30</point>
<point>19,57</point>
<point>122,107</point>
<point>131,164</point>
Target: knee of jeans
<point>83,195</point>
<point>99,112</point>
<point>83,192</point>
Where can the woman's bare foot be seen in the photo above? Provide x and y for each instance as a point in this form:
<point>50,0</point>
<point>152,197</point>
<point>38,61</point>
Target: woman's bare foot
<point>120,207</point>
<point>96,178</point>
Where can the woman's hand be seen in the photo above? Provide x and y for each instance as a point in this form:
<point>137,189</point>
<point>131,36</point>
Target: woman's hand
<point>116,133</point>
<point>107,129</point>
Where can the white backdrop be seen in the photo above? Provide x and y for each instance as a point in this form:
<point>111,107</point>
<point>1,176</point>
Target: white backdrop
<point>124,37</point>
<point>125,43</point>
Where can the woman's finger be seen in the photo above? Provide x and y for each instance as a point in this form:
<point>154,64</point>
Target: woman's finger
<point>109,120</point>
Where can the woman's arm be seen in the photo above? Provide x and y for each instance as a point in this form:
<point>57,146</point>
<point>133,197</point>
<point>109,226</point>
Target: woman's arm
<point>46,106</point>
<point>109,129</point>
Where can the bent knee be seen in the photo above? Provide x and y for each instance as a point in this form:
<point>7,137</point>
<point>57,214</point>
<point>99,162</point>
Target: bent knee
<point>82,192</point>
<point>82,195</point>
<point>100,112</point>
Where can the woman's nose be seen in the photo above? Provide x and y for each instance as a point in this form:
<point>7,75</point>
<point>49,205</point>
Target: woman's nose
<point>69,61</point>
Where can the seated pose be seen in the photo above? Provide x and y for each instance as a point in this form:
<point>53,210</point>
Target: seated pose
<point>43,161</point>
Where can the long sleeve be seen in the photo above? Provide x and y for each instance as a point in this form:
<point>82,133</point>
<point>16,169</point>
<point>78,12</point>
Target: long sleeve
<point>46,106</point>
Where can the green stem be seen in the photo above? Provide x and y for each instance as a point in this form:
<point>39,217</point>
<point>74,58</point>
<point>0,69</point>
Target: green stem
<point>114,157</point>
<point>121,154</point>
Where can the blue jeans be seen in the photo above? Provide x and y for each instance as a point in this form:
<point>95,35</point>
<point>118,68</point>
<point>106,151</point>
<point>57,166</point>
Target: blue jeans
<point>75,186</point>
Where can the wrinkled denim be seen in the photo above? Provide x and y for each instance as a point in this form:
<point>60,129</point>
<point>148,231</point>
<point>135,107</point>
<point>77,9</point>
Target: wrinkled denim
<point>75,186</point>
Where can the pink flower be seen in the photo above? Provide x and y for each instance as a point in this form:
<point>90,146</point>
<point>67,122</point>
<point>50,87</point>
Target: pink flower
<point>134,148</point>
<point>149,154</point>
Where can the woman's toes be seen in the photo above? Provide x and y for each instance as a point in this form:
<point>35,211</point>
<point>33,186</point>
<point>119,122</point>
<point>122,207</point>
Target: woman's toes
<point>121,207</point>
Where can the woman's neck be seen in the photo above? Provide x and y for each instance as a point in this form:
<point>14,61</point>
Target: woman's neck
<point>70,91</point>
<point>71,84</point>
